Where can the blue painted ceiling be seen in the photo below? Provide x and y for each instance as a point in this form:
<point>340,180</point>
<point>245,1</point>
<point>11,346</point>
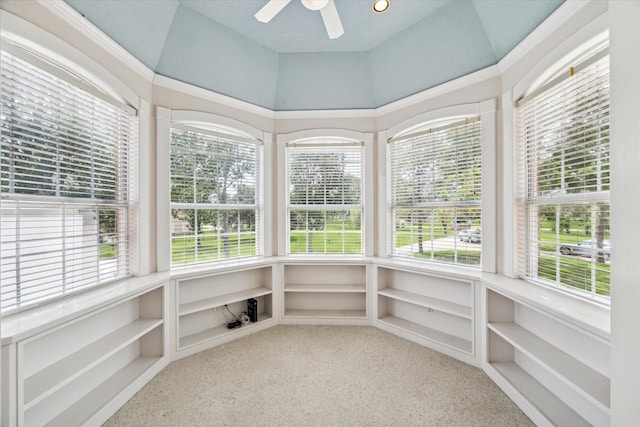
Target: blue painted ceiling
<point>291,64</point>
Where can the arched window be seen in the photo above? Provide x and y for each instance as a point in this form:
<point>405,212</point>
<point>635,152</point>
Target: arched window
<point>325,192</point>
<point>68,179</point>
<point>564,169</point>
<point>434,191</point>
<point>216,193</point>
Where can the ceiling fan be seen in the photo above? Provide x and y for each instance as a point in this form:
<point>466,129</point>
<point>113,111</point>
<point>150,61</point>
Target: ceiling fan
<point>327,9</point>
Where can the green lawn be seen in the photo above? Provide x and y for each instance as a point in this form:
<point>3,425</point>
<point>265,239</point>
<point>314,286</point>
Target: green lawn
<point>107,251</point>
<point>337,237</point>
<point>325,242</point>
<point>575,235</point>
<point>464,257</point>
<point>183,249</point>
<point>576,273</point>
<point>567,270</point>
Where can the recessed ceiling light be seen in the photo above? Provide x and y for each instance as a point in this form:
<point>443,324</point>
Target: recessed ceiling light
<point>380,6</point>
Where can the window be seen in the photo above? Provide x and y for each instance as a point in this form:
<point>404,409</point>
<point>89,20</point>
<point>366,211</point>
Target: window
<point>564,164</point>
<point>68,162</point>
<point>216,195</point>
<point>325,196</point>
<point>434,192</point>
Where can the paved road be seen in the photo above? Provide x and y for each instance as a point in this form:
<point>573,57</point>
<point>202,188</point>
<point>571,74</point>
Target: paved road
<point>444,243</point>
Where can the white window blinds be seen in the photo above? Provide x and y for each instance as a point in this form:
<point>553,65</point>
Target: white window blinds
<point>325,202</point>
<point>434,193</point>
<point>564,208</point>
<point>67,175</point>
<point>216,196</point>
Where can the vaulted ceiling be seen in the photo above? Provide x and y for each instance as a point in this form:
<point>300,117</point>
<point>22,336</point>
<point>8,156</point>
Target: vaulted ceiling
<point>291,64</point>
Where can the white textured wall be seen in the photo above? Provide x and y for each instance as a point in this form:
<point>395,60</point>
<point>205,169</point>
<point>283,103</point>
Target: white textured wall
<point>625,203</point>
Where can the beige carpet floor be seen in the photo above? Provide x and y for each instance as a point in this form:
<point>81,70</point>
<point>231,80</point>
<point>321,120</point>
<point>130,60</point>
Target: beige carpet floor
<point>320,376</point>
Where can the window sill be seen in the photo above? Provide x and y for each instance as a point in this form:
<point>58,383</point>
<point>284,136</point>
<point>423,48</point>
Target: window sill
<point>324,259</point>
<point>578,312</point>
<point>220,266</point>
<point>16,327</point>
<point>460,272</point>
<point>456,271</point>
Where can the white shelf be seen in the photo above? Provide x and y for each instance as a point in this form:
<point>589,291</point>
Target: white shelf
<point>325,288</point>
<point>209,334</point>
<point>430,333</point>
<point>326,314</point>
<point>427,302</point>
<point>590,383</point>
<point>100,396</point>
<point>218,301</point>
<point>559,368</point>
<point>327,292</point>
<point>586,315</point>
<point>552,408</point>
<point>57,375</point>
<point>199,295</point>
<point>73,373</point>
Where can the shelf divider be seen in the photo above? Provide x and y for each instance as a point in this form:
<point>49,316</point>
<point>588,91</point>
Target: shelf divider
<point>430,333</point>
<point>205,304</point>
<point>211,333</point>
<point>427,302</point>
<point>326,314</point>
<point>332,288</point>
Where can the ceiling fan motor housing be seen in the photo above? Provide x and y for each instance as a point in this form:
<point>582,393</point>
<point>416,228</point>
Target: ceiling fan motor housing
<point>314,4</point>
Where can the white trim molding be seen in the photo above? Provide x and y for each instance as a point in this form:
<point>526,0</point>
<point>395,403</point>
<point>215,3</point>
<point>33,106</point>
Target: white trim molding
<point>441,113</point>
<point>321,133</point>
<point>625,175</point>
<point>202,118</point>
<point>68,14</point>
<point>489,139</point>
<point>567,11</point>
<point>163,184</point>
<point>21,33</point>
<point>442,89</point>
<point>208,95</point>
<point>144,249</point>
<point>383,210</point>
<point>592,34</point>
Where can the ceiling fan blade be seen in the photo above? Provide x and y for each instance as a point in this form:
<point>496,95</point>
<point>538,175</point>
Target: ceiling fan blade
<point>332,20</point>
<point>270,10</point>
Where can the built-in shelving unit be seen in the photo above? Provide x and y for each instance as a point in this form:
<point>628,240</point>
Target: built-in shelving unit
<point>207,302</point>
<point>328,292</point>
<point>426,306</point>
<point>68,374</point>
<point>556,370</point>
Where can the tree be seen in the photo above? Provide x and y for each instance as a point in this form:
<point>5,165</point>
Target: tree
<point>214,173</point>
<point>441,180</point>
<point>323,178</point>
<point>573,158</point>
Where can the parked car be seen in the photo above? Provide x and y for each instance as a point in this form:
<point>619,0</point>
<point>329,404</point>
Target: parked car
<point>587,248</point>
<point>471,236</point>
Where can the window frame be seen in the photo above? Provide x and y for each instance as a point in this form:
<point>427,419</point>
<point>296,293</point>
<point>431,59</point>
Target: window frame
<point>586,37</point>
<point>367,188</point>
<point>165,120</point>
<point>56,57</point>
<point>590,52</point>
<point>486,110</point>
